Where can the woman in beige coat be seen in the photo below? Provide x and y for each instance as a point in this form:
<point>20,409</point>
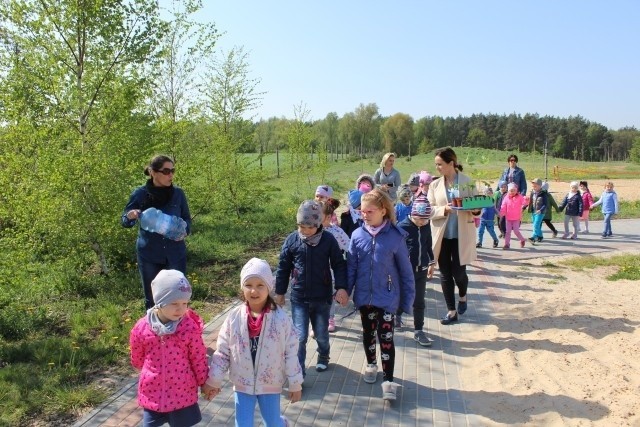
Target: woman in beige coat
<point>453,231</point>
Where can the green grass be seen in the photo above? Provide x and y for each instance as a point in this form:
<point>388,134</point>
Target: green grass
<point>628,265</point>
<point>59,327</point>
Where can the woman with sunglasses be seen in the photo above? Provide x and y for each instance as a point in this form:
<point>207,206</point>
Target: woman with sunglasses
<point>156,252</point>
<point>513,173</point>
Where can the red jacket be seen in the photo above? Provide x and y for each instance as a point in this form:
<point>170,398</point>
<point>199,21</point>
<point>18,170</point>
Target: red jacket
<point>172,367</point>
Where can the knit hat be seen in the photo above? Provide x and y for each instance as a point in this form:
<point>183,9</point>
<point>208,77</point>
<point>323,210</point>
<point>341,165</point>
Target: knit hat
<point>545,186</point>
<point>310,213</point>
<point>537,181</point>
<point>421,207</point>
<point>414,179</point>
<point>404,192</point>
<point>365,183</point>
<point>574,184</point>
<point>512,185</point>
<point>324,191</point>
<point>355,197</point>
<point>170,286</point>
<point>425,177</point>
<point>259,268</point>
<point>501,183</point>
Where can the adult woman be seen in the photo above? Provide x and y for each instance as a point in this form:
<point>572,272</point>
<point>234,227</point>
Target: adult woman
<point>513,173</point>
<point>387,177</point>
<point>155,252</point>
<point>453,231</point>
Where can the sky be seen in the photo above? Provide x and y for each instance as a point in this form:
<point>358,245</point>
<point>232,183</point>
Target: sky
<point>551,57</point>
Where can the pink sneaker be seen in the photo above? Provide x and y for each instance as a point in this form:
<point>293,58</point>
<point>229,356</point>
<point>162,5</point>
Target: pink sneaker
<point>332,325</point>
<point>522,243</point>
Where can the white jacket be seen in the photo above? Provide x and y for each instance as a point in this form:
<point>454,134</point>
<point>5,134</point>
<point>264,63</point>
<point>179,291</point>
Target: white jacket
<point>276,358</point>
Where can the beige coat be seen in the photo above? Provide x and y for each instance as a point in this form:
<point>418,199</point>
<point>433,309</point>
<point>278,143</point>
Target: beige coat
<point>466,228</point>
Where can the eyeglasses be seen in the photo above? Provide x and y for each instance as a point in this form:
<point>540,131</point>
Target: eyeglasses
<point>167,171</point>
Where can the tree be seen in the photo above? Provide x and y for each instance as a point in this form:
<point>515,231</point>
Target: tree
<point>75,71</point>
<point>328,134</point>
<point>300,136</point>
<point>397,134</point>
<point>634,153</point>
<point>477,138</point>
<point>365,126</point>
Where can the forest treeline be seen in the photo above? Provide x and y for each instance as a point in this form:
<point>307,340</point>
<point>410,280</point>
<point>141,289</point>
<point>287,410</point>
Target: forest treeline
<point>90,92</point>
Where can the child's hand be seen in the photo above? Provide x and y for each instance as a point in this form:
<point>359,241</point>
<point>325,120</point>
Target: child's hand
<point>430,271</point>
<point>279,299</point>
<point>210,392</point>
<point>342,297</point>
<point>295,396</point>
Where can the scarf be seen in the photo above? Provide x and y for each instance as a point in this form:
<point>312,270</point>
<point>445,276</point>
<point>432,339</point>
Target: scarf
<point>255,324</point>
<point>375,230</point>
<point>157,197</point>
<point>355,215</point>
<point>312,240</point>
<point>157,326</point>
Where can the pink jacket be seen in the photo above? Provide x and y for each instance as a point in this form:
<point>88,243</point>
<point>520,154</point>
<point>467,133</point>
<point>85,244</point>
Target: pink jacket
<point>172,367</point>
<point>587,200</point>
<point>511,207</point>
<point>276,359</point>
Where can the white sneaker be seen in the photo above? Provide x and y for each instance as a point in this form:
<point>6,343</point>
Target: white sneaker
<point>311,334</point>
<point>285,421</point>
<point>389,390</point>
<point>370,373</point>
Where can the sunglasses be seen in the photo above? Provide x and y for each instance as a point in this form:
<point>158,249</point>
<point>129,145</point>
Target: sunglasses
<point>167,171</point>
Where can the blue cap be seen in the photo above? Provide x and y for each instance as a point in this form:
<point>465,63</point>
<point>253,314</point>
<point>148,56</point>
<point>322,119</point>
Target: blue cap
<point>354,198</point>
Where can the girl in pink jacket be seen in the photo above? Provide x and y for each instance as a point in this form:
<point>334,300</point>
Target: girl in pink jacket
<point>511,210</point>
<point>167,348</point>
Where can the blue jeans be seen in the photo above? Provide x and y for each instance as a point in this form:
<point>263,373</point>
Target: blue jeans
<point>607,224</point>
<point>488,224</point>
<point>536,219</point>
<point>189,416</point>
<point>269,409</point>
<point>318,313</point>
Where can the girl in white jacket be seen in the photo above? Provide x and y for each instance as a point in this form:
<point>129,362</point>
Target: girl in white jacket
<point>258,346</point>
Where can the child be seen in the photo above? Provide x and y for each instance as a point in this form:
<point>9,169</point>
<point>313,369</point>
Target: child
<point>403,206</point>
<point>422,260</point>
<point>307,258</point>
<point>258,346</point>
<point>537,208</point>
<point>573,202</point>
<point>168,350</point>
<point>548,215</point>
<point>511,210</point>
<point>587,201</point>
<point>324,193</point>
<point>328,208</point>
<point>414,182</point>
<point>381,278</point>
<point>350,219</point>
<point>610,207</point>
<point>365,183</point>
<point>487,218</point>
<point>500,195</point>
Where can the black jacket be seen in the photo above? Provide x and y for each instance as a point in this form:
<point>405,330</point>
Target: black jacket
<point>419,243</point>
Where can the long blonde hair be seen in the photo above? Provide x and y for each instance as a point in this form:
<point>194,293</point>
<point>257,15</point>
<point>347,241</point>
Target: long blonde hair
<point>382,200</point>
<point>385,158</point>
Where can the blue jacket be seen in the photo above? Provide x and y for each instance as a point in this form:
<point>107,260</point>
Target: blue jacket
<point>379,272</point>
<point>153,247</point>
<point>573,205</point>
<point>488,214</point>
<point>402,211</point>
<point>418,243</point>
<point>609,202</point>
<point>518,178</point>
<point>308,268</point>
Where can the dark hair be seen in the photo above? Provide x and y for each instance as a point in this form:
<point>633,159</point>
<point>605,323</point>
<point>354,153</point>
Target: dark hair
<point>512,156</point>
<point>329,206</point>
<point>156,163</point>
<point>270,301</point>
<point>585,184</point>
<point>448,155</point>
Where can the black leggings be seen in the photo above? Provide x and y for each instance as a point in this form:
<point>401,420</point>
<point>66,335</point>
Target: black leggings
<point>377,322</point>
<point>451,272</point>
<point>550,225</point>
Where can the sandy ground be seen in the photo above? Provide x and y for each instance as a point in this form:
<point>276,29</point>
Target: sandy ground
<point>563,348</point>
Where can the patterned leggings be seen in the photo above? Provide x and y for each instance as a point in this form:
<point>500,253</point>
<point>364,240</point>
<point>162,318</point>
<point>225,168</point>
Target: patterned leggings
<point>377,322</point>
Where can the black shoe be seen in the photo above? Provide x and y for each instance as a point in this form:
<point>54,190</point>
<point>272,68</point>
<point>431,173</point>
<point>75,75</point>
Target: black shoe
<point>539,239</point>
<point>462,307</point>
<point>478,245</point>
<point>495,243</point>
<point>532,240</point>
<point>446,320</point>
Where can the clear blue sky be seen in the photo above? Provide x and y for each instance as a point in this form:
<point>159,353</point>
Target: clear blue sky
<point>447,58</point>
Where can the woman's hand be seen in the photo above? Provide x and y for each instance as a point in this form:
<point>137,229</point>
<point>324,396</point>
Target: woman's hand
<point>342,297</point>
<point>133,214</point>
<point>279,300</point>
<point>447,209</point>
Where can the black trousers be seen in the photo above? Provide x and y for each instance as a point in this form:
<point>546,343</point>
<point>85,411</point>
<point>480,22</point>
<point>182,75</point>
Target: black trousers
<point>452,274</point>
<point>550,225</point>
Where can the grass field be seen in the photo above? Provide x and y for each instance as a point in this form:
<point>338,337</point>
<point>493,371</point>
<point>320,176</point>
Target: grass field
<point>59,343</point>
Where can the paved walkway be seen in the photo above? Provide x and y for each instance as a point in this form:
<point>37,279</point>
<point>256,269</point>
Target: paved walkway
<point>432,392</point>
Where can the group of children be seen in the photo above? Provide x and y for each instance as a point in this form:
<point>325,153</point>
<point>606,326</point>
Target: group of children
<point>510,205</point>
<point>382,263</point>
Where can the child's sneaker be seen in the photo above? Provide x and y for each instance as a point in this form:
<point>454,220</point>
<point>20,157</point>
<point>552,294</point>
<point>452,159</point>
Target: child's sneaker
<point>421,338</point>
<point>532,239</point>
<point>332,324</point>
<point>574,236</point>
<point>285,421</point>
<point>389,390</point>
<point>555,234</point>
<point>539,240</point>
<point>522,243</point>
<point>505,247</point>
<point>370,373</point>
<point>565,236</point>
<point>322,365</point>
<point>495,243</point>
<point>478,245</point>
